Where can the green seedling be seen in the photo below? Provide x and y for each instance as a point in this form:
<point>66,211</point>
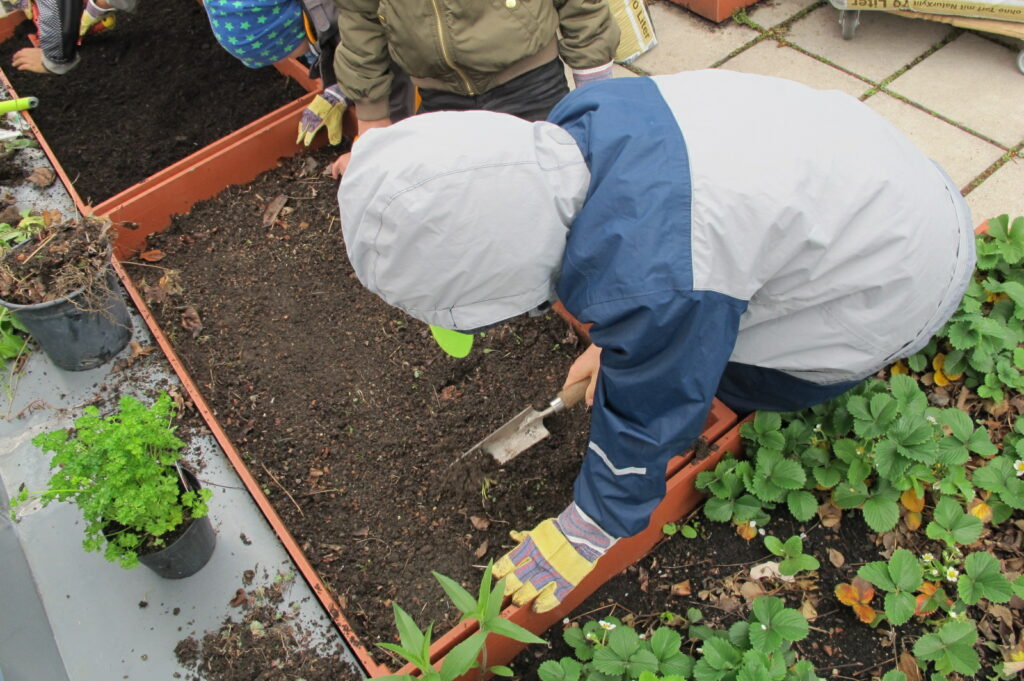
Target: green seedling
<point>791,551</point>
<point>688,530</point>
<point>485,608</point>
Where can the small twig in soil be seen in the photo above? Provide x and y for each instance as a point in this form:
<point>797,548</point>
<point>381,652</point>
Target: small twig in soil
<point>274,478</point>
<point>886,661</point>
<point>681,567</point>
<point>144,264</point>
<point>39,247</point>
<point>321,491</point>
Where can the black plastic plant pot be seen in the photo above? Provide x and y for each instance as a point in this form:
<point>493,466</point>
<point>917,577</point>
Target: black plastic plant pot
<point>77,335</point>
<point>187,554</point>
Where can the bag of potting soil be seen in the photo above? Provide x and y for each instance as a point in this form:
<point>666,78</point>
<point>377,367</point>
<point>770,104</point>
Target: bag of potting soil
<point>636,30</point>
<point>1003,10</point>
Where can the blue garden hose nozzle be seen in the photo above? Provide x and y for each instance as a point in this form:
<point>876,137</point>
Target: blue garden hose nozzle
<point>20,104</point>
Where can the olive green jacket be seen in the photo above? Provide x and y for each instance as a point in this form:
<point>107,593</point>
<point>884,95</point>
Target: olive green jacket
<point>467,46</point>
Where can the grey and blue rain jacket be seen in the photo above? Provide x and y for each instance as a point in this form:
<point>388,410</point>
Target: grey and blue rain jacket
<point>724,233</point>
<point>789,239</point>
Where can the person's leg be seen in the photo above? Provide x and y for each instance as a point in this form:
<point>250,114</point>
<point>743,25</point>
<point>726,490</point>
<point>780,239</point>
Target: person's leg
<point>745,388</point>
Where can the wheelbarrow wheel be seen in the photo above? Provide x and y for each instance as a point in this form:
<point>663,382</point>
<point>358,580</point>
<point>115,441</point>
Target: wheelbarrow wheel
<point>849,20</point>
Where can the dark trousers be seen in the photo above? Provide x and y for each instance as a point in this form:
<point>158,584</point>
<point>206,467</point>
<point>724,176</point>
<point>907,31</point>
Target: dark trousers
<point>530,96</point>
<point>745,388</point>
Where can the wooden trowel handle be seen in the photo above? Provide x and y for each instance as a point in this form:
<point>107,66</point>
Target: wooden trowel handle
<point>567,397</point>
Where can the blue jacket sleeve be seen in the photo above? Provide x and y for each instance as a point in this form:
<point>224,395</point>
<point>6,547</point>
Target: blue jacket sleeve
<point>662,357</point>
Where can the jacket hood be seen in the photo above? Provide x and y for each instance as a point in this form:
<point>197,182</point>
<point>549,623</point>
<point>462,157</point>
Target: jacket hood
<point>460,218</point>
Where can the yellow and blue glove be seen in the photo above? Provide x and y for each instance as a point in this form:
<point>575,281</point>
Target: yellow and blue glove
<point>96,20</point>
<point>552,558</point>
<point>325,111</point>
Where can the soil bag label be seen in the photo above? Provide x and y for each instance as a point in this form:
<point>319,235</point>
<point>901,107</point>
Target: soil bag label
<point>1006,10</point>
<point>636,30</point>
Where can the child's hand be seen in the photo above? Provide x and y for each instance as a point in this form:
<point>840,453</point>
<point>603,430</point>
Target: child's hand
<point>29,59</point>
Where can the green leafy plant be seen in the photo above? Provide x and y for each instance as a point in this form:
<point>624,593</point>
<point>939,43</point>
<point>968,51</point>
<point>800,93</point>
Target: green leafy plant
<point>759,649</point>
<point>27,227</point>
<point>608,650</point>
<point>688,530</point>
<point>899,578</point>
<point>983,578</point>
<point>791,551</point>
<point>12,336</point>
<point>951,648</point>
<point>868,447</point>
<point>485,608</point>
<point>982,340</point>
<point>121,471</point>
<point>953,525</point>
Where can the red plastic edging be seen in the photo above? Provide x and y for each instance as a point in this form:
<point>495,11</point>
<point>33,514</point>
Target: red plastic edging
<point>715,10</point>
<point>8,23</point>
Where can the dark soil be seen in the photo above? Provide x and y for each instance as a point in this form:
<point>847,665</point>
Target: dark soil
<point>64,257</point>
<point>716,566</point>
<point>145,95</point>
<point>266,643</point>
<point>345,410</point>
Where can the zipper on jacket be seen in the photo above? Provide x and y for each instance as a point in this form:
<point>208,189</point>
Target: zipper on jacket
<point>444,50</point>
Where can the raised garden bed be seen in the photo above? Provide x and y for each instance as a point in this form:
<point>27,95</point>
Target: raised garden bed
<point>153,91</point>
<point>346,412</point>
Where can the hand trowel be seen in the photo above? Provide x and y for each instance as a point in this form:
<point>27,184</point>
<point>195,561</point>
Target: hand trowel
<point>527,427</point>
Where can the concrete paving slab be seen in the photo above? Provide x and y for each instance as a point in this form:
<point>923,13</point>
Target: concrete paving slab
<point>1002,192</point>
<point>770,13</point>
<point>884,43</point>
<point>963,155</point>
<point>768,58</point>
<point>107,622</point>
<point>973,81</point>
<point>687,41</point>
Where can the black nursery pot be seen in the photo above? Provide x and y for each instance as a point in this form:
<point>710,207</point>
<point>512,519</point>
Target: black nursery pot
<point>76,336</point>
<point>188,553</point>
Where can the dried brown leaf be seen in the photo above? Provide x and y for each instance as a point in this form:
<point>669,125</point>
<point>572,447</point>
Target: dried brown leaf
<point>751,590</point>
<point>191,322</point>
<point>829,514</point>
<point>479,523</point>
<point>481,550</point>
<point>273,209</point>
<point>908,665</point>
<point>681,589</point>
<point>153,255</point>
<point>837,559</point>
<point>239,599</point>
<point>42,176</point>
<point>808,610</point>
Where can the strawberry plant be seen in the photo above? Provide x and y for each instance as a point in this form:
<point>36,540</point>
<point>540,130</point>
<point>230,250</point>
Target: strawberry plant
<point>899,578</point>
<point>791,551</point>
<point>982,341</point>
<point>871,447</point>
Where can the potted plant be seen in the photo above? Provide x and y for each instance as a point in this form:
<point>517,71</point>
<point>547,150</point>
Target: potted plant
<point>59,285</point>
<point>122,471</point>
